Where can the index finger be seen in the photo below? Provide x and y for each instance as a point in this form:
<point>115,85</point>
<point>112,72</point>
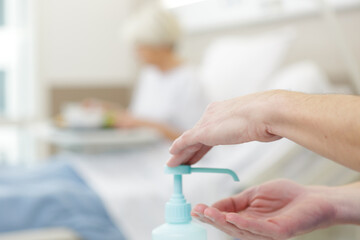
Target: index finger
<point>234,204</point>
<point>184,156</point>
<point>186,140</point>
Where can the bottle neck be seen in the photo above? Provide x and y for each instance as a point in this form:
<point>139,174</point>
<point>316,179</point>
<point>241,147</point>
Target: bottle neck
<point>177,210</point>
<point>178,185</point>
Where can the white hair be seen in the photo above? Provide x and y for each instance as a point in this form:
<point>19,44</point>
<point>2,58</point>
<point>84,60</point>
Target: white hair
<point>152,25</point>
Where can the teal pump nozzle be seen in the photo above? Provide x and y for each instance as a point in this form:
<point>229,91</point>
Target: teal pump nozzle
<point>187,169</point>
<point>179,225</point>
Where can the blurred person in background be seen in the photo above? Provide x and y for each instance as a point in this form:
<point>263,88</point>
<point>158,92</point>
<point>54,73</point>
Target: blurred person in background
<point>167,97</point>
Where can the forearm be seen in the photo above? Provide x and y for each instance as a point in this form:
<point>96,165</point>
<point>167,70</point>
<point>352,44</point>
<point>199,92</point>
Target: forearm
<point>127,120</point>
<point>326,124</point>
<point>168,132</point>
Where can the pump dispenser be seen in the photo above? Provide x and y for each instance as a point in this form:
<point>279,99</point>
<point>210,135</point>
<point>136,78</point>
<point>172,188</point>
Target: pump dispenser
<point>179,225</point>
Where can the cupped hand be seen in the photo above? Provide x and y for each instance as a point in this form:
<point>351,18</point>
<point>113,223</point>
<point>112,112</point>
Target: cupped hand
<point>276,210</point>
<point>234,121</point>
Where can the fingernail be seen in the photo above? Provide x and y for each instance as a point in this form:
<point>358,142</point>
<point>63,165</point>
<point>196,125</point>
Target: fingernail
<point>210,218</point>
<point>230,222</point>
<point>199,214</point>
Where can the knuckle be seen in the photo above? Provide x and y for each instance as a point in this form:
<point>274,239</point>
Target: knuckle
<point>283,181</point>
<point>212,106</point>
<point>186,135</point>
<point>194,148</point>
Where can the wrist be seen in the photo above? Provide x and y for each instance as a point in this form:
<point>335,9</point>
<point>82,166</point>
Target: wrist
<point>284,109</point>
<point>276,111</point>
<point>345,201</point>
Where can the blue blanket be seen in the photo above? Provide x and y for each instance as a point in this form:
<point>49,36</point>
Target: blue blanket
<point>53,196</point>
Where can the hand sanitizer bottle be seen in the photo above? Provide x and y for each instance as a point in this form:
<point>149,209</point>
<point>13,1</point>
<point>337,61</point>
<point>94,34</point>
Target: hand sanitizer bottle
<point>179,225</point>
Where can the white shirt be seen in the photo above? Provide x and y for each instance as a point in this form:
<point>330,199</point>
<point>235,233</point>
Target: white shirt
<point>173,98</point>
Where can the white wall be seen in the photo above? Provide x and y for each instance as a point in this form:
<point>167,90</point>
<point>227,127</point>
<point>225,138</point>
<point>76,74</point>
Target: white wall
<point>79,43</point>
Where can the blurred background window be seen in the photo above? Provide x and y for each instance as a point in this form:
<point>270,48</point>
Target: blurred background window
<point>2,73</point>
<point>16,81</point>
<point>2,93</point>
<point>2,15</point>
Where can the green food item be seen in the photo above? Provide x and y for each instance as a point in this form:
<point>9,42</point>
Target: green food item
<point>109,120</point>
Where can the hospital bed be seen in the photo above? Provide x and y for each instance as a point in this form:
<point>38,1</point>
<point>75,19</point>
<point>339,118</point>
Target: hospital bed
<point>45,234</point>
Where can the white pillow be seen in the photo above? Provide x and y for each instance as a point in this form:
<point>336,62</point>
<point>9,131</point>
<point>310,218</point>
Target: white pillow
<point>303,76</point>
<point>235,66</point>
